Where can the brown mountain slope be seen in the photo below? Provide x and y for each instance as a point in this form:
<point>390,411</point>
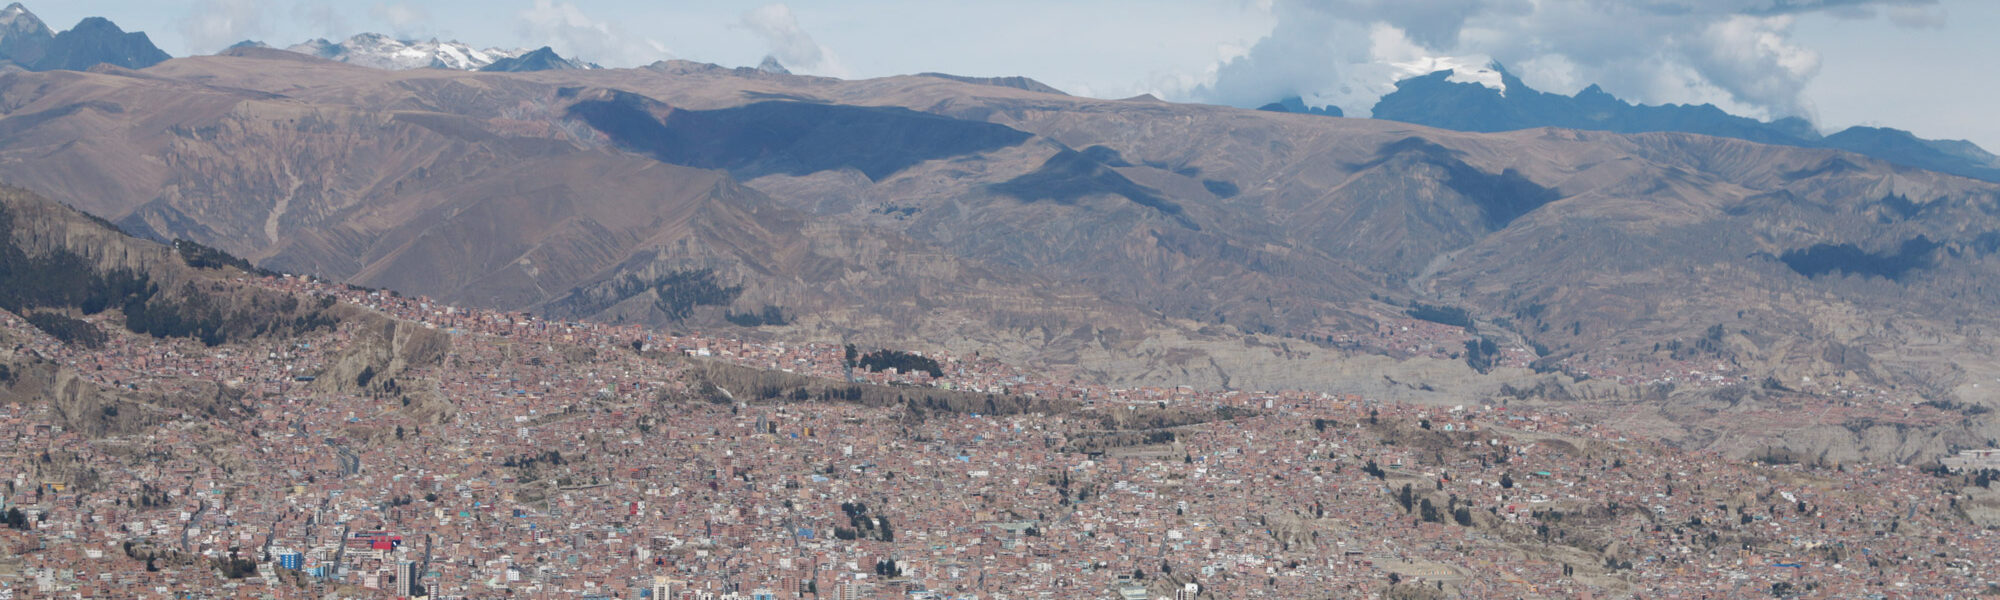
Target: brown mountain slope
<point>1133,241</point>
<point>356,176</point>
<point>1282,223</point>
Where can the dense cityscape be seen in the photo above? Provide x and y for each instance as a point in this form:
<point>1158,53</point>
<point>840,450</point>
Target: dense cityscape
<point>584,460</point>
<point>806,300</point>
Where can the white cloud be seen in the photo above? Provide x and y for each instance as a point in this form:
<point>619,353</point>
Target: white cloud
<point>789,43</point>
<point>1754,61</point>
<point>215,24</point>
<point>1736,53</point>
<point>319,18</point>
<point>403,18</point>
<point>571,32</point>
<point>1309,53</point>
<point>1919,17</point>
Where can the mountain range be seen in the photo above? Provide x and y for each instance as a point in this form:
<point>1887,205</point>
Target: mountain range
<point>1437,101</point>
<point>1128,242</point>
<point>27,43</point>
<point>539,59</point>
<point>384,52</point>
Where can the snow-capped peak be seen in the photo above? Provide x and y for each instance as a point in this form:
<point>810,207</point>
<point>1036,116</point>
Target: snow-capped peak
<point>772,66</point>
<point>16,18</point>
<point>384,52</point>
<point>1464,69</point>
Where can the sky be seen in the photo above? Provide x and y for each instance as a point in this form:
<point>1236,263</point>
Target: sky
<point>1911,64</point>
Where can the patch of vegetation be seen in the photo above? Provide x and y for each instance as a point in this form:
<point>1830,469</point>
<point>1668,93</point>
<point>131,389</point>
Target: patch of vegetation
<point>1914,254</point>
<point>234,567</point>
<point>107,224</point>
<point>771,315</point>
<point>902,362</point>
<point>1709,345</point>
<point>888,568</point>
<point>681,291</point>
<point>1969,410</point>
<point>204,257</point>
<point>745,384</point>
<point>531,461</point>
<point>861,525</point>
<point>678,292</point>
<point>1446,315</point>
<point>1096,443</point>
<point>1481,354</point>
<point>71,331</point>
<point>1776,457</point>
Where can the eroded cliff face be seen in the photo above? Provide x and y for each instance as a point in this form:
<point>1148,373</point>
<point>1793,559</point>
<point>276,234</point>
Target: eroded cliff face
<point>380,352</point>
<point>40,233</point>
<point>39,227</point>
<point>94,410</point>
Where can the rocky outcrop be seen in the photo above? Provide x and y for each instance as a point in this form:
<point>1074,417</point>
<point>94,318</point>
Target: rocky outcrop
<point>95,410</point>
<point>381,352</point>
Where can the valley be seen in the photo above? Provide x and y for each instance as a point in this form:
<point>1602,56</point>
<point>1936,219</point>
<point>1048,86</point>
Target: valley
<point>1058,233</point>
<point>383,316</point>
<point>439,434</point>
